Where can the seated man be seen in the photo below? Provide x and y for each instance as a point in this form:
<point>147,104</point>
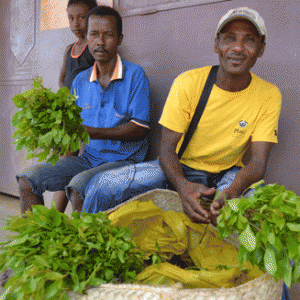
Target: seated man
<point>241,114</point>
<point>114,96</point>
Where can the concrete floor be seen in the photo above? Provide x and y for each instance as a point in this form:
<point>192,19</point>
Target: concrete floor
<point>11,206</point>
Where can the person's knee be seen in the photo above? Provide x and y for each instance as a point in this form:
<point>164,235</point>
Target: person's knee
<point>24,184</point>
<point>76,199</point>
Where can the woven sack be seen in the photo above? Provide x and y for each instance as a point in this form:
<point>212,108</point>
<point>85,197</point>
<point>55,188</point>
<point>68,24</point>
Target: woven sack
<point>261,288</point>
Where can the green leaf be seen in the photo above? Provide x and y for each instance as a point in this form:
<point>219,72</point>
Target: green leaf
<point>233,204</point>
<point>296,272</point>
<point>66,140</point>
<point>121,256</point>
<point>46,139</point>
<point>248,239</point>
<point>87,219</point>
<point>242,222</point>
<point>86,138</point>
<point>58,136</point>
<point>18,241</point>
<point>288,210</point>
<point>30,156</point>
<point>53,159</point>
<point>16,120</point>
<point>109,274</point>
<point>71,115</point>
<point>285,268</point>
<point>20,146</point>
<point>292,246</point>
<point>54,217</point>
<point>53,289</point>
<point>270,261</point>
<point>258,256</point>
<point>43,155</point>
<point>271,237</point>
<point>293,227</point>
<point>277,201</point>
<point>243,254</point>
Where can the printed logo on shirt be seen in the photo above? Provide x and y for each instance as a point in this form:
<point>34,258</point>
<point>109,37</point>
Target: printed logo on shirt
<point>240,131</point>
<point>86,106</point>
<point>243,124</point>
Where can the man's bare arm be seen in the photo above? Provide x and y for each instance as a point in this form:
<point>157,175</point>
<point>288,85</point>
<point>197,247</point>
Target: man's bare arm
<point>124,133</point>
<point>253,171</point>
<point>188,191</point>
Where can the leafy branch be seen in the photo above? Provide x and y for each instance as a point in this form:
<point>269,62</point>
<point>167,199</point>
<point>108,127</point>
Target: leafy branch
<point>48,124</point>
<point>53,253</point>
<point>268,225</point>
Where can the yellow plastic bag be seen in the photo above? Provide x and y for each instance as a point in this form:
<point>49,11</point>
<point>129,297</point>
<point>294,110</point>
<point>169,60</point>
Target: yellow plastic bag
<point>216,261</point>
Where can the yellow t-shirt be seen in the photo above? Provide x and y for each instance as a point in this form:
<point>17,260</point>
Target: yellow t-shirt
<point>229,122</point>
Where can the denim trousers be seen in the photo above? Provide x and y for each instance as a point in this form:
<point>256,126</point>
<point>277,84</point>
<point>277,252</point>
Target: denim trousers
<point>110,188</point>
<point>69,173</point>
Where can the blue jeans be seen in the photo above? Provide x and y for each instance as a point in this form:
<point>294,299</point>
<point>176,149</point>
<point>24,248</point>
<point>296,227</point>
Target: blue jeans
<point>108,189</point>
<point>71,172</point>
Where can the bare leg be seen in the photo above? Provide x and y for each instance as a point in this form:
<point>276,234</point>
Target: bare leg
<point>61,201</point>
<point>76,201</point>
<point>27,197</point>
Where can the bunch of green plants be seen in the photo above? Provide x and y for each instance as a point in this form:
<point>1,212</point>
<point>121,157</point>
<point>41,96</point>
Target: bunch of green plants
<point>268,226</point>
<point>48,124</point>
<point>53,253</point>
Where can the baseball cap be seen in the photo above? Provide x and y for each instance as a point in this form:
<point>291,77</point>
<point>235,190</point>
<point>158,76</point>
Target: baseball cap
<point>244,13</point>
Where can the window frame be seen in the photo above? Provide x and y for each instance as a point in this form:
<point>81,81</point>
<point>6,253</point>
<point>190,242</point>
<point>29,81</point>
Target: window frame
<point>162,7</point>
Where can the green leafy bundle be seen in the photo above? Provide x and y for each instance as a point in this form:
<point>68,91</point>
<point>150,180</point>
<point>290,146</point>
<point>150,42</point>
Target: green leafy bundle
<point>48,121</point>
<point>268,225</point>
<point>53,253</point>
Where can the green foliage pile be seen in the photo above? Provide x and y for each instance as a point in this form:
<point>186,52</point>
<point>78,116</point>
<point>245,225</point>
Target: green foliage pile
<point>48,124</point>
<point>268,225</point>
<point>53,253</point>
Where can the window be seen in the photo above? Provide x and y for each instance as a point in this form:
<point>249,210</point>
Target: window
<point>54,15</point>
<point>141,7</point>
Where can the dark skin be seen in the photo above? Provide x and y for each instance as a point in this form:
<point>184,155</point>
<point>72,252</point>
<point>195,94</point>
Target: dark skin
<point>103,41</point>
<point>238,45</point>
<point>77,14</point>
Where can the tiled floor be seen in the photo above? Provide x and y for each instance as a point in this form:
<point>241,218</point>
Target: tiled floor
<point>11,206</point>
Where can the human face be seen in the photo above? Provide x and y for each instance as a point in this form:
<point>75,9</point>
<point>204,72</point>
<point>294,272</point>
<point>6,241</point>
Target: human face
<point>77,15</point>
<point>102,38</point>
<point>238,45</point>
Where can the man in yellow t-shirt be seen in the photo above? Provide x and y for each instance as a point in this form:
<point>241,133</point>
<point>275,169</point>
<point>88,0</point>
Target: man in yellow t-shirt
<point>241,114</point>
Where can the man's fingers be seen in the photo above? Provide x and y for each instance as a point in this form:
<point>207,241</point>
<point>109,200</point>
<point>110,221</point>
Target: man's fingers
<point>198,209</point>
<point>216,206</point>
<point>208,191</point>
<point>197,214</point>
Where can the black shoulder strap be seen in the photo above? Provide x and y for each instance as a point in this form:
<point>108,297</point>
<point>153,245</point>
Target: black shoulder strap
<point>211,79</point>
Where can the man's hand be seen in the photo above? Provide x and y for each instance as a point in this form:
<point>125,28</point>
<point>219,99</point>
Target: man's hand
<point>219,203</point>
<point>190,195</point>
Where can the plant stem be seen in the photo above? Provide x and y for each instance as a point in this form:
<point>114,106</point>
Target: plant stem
<point>206,227</point>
